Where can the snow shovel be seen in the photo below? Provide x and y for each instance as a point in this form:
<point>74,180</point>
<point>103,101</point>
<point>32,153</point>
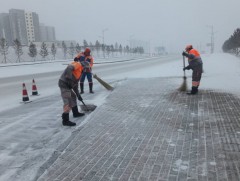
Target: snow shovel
<point>87,108</point>
<point>184,84</point>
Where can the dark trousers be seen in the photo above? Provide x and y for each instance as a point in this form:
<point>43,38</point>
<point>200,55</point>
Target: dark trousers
<point>196,76</point>
<point>89,77</point>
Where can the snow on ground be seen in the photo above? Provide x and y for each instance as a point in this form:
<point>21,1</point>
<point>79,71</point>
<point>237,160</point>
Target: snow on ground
<point>221,72</point>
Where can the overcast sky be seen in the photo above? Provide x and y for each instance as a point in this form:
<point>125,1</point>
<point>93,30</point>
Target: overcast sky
<point>171,23</point>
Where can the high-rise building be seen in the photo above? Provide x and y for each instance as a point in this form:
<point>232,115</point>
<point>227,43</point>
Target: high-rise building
<point>5,30</point>
<point>47,33</point>
<point>18,25</point>
<point>32,27</point>
<point>51,33</point>
<point>24,26</point>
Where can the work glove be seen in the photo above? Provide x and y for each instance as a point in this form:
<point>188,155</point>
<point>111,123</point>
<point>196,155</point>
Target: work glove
<point>79,97</point>
<point>184,54</point>
<point>186,68</point>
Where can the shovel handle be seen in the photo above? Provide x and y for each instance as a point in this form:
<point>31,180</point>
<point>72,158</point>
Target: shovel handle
<point>83,103</point>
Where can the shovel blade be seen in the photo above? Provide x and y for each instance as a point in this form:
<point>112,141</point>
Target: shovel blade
<point>88,107</point>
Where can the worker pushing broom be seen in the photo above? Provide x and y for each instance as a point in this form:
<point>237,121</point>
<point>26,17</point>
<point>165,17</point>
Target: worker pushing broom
<point>194,63</point>
<point>86,60</point>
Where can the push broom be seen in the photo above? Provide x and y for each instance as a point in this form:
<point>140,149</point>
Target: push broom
<point>91,107</point>
<point>184,84</point>
<point>103,83</point>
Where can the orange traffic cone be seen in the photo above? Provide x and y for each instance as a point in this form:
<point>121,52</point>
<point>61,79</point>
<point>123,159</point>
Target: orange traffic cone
<point>34,88</point>
<point>25,97</point>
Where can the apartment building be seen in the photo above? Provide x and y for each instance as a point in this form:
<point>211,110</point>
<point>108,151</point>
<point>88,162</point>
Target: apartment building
<point>5,30</point>
<point>32,27</point>
<point>47,33</point>
<point>24,26</point>
<point>18,25</point>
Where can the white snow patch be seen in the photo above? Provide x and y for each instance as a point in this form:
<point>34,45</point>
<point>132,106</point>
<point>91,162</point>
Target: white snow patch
<point>181,165</point>
<point>213,163</point>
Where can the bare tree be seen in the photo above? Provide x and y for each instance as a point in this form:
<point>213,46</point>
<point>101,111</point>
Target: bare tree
<point>44,50</point>
<point>112,50</point>
<point>18,49</point>
<point>64,48</point>
<point>85,44</point>
<point>120,49</point>
<point>53,50</point>
<point>98,46</point>
<point>4,48</point>
<point>116,48</point>
<point>71,50</point>
<point>91,46</point>
<point>103,50</point>
<point>108,49</point>
<point>78,48</point>
<point>32,51</point>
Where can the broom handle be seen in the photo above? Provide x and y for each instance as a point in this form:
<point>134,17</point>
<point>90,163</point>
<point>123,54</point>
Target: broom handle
<point>184,66</point>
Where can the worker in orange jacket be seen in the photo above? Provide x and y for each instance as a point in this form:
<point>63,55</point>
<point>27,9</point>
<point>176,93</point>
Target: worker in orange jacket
<point>68,84</point>
<point>86,60</point>
<point>195,63</point>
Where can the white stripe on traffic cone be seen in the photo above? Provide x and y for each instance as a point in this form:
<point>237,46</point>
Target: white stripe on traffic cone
<point>25,97</point>
<point>34,88</point>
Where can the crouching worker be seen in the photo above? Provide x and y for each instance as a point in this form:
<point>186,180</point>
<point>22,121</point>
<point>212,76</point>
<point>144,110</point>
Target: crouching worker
<point>195,63</point>
<point>68,84</point>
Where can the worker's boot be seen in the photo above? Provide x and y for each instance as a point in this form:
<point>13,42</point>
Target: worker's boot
<point>90,88</point>
<point>193,91</point>
<point>197,89</point>
<point>76,113</point>
<point>81,87</point>
<point>65,120</point>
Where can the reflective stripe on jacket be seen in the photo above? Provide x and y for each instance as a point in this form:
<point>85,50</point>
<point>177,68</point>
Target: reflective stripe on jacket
<point>194,58</point>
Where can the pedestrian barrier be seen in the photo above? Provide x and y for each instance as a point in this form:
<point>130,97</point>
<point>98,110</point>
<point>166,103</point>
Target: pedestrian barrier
<point>25,97</point>
<point>34,88</point>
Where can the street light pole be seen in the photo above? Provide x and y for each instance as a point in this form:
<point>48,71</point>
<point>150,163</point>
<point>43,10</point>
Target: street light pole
<point>130,40</point>
<point>212,39</point>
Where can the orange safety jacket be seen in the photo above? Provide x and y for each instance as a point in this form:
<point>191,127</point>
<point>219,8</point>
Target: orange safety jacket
<point>77,72</point>
<point>194,52</point>
<point>71,75</point>
<point>194,58</point>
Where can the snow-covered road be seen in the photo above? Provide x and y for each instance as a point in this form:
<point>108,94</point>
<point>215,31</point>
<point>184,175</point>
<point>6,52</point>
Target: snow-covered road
<point>46,77</point>
<point>32,132</point>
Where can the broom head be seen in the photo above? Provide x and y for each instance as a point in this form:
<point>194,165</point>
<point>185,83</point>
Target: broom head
<point>183,87</point>
<point>105,84</point>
